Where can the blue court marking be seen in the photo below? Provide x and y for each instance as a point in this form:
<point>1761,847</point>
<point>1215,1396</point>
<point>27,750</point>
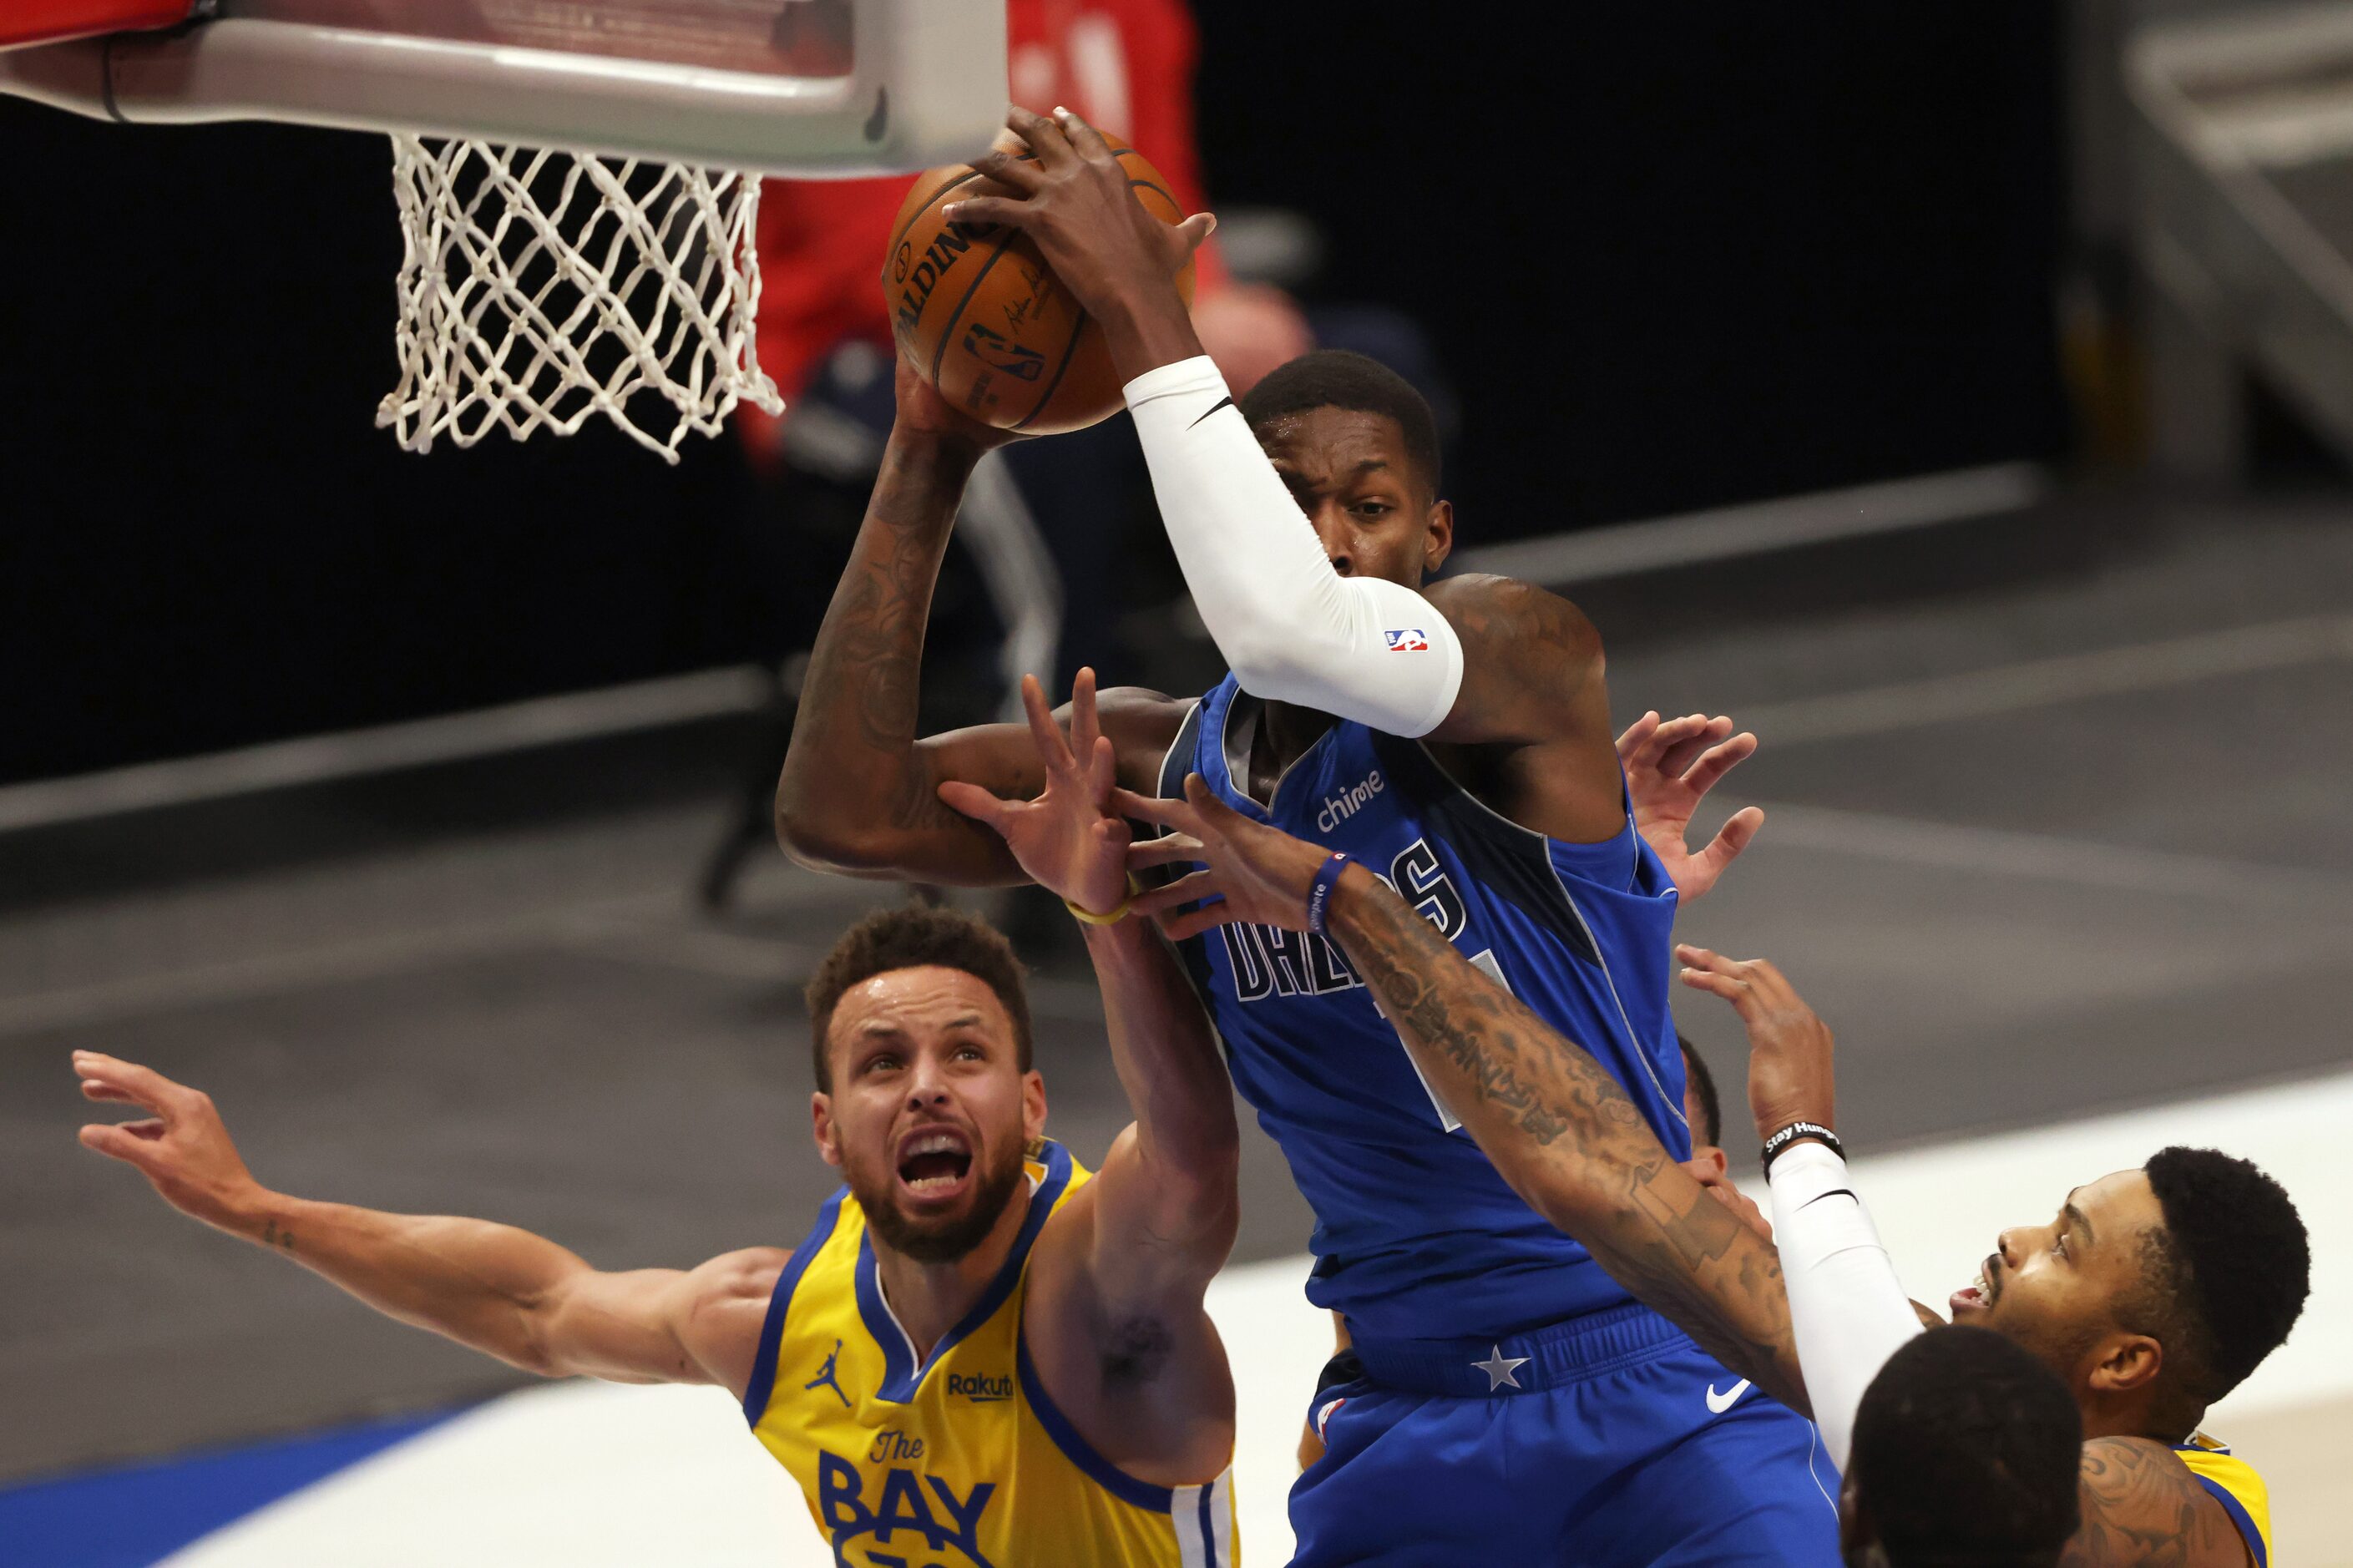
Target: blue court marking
<point>126,1516</point>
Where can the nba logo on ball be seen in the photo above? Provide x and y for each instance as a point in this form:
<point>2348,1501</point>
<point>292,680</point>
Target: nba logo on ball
<point>1408,642</point>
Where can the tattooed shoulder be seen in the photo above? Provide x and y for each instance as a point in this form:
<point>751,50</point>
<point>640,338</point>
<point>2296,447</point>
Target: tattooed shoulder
<point>2142,1507</point>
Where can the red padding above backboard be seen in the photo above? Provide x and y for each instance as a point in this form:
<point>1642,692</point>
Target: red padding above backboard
<point>47,21</point>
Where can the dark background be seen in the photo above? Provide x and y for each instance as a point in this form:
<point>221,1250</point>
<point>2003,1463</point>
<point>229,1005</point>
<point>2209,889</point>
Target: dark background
<point>1671,259</point>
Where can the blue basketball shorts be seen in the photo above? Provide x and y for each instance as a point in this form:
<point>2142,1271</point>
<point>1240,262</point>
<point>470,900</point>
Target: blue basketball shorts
<point>1609,1440</point>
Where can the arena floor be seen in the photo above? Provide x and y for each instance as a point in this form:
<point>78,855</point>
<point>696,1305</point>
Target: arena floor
<point>2061,849</point>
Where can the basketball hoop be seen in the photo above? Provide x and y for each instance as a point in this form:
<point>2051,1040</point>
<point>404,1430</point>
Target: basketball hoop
<point>538,289</point>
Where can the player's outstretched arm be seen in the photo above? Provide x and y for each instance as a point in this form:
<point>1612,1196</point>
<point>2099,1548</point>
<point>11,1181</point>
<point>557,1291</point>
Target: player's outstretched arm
<point>1116,1310</point>
<point>492,1288</point>
<point>1557,1126</point>
<point>859,794</point>
<point>1848,1312</point>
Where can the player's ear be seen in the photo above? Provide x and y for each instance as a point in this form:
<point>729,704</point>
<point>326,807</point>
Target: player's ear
<point>1858,1536</point>
<point>2125,1362</point>
<point>1438,538</point>
<point>1033,1105</point>
<point>821,1123</point>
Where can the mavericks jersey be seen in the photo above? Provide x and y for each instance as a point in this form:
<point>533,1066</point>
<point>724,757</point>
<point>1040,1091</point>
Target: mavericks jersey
<point>2235,1485</point>
<point>961,1461</point>
<point>1416,1234</point>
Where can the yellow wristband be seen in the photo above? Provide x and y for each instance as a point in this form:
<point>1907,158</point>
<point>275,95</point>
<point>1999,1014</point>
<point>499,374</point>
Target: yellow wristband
<point>1116,915</point>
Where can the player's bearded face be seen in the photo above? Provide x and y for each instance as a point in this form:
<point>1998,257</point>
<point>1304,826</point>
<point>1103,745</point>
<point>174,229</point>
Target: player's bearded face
<point>930,1114</point>
<point>2059,1288</point>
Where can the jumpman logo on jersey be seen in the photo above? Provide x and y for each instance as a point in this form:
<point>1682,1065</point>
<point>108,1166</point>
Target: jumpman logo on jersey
<point>825,1378</point>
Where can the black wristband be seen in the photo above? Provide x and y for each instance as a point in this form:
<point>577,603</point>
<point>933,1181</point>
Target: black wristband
<point>1790,1134</point>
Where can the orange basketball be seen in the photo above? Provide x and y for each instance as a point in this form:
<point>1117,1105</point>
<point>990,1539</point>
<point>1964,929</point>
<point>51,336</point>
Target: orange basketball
<point>976,310</point>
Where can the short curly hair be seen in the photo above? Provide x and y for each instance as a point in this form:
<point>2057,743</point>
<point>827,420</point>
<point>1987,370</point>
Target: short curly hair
<point>1336,378</point>
<point>915,936</point>
<point>1965,1451</point>
<point>2228,1275</point>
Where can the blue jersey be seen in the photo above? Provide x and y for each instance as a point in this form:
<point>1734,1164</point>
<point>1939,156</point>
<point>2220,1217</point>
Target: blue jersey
<point>1416,1234</point>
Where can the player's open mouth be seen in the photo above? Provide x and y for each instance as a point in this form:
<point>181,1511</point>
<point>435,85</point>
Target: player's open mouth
<point>934,1163</point>
<point>1978,1295</point>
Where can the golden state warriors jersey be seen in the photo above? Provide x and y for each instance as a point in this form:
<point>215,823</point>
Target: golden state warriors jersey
<point>2237,1487</point>
<point>961,1461</point>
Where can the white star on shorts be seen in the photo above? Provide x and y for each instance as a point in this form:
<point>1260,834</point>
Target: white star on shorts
<point>1498,1368</point>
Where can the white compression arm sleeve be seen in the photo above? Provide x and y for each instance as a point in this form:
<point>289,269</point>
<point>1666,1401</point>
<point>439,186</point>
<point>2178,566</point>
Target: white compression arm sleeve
<point>1847,1310</point>
<point>1293,629</point>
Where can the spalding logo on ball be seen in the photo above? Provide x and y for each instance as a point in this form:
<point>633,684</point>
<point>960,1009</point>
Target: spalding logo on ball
<point>979,314</point>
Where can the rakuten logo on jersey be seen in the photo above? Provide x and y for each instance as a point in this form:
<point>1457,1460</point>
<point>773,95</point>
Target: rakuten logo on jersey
<point>1338,808</point>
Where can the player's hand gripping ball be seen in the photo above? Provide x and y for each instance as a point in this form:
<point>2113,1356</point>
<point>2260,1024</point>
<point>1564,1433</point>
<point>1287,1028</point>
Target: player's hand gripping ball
<point>978,313</point>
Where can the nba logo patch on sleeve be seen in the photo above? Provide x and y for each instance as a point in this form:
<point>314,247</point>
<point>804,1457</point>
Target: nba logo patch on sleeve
<point>1408,641</point>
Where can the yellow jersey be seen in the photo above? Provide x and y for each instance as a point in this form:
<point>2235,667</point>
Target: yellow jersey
<point>961,1461</point>
<point>2237,1487</point>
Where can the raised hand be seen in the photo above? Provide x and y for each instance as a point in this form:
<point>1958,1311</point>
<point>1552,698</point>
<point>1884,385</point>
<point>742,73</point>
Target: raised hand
<point>182,1146</point>
<point>1071,197</point>
<point>1251,871</point>
<point>922,411</point>
<point>1670,765</point>
<point>1064,838</point>
<point>1790,1076</point>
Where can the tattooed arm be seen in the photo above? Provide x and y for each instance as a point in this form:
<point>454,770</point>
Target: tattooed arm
<point>1567,1138</point>
<point>859,794</point>
<point>492,1288</point>
<point>1557,1126</point>
<point>2142,1507</point>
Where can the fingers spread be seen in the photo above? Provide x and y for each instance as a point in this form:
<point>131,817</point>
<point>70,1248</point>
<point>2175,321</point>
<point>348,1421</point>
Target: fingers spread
<point>1150,808</point>
<point>1732,990</point>
<point>1084,139</point>
<point>1045,138</point>
<point>1718,760</point>
<point>1183,890</point>
<point>1009,168</point>
<point>140,1086</point>
<point>1182,927</point>
<point>975,803</point>
<point>1053,750</point>
<point>1637,736</point>
<point>1084,723</point>
<point>986,211</point>
<point>127,1142</point>
<point>1167,850</point>
<point>1693,735</point>
<point>1734,836</point>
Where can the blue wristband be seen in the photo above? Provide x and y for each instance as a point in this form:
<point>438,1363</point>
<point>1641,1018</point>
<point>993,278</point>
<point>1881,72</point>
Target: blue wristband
<point>1319,892</point>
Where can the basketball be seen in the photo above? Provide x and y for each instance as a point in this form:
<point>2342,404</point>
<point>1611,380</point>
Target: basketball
<point>977,312</point>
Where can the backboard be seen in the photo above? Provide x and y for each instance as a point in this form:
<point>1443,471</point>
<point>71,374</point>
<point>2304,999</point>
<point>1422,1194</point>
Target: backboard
<point>794,88</point>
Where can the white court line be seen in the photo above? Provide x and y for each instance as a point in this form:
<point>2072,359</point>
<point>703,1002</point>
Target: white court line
<point>1759,528</point>
<point>352,753</point>
<point>369,959</point>
<point>2041,857</point>
<point>585,1475</point>
<point>2045,682</point>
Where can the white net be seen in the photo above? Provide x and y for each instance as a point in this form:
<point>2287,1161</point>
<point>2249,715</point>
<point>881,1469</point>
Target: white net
<point>540,288</point>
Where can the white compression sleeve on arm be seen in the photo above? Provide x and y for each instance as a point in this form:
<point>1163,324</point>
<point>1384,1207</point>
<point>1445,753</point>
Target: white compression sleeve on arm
<point>1847,1310</point>
<point>1293,629</point>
